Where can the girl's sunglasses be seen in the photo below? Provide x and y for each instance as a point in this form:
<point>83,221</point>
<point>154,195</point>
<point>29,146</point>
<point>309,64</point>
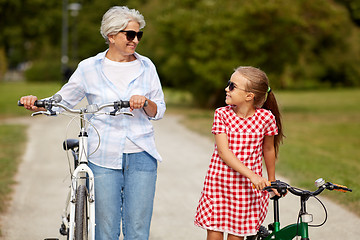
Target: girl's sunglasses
<point>130,34</point>
<point>231,85</point>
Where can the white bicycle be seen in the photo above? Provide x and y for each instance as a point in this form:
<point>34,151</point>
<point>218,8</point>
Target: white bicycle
<point>78,219</point>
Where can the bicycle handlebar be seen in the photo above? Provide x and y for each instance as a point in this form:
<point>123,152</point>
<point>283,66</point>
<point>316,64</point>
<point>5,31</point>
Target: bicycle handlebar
<point>93,108</point>
<point>283,187</point>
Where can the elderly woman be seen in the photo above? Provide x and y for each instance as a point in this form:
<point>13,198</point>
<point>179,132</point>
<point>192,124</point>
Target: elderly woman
<point>125,165</point>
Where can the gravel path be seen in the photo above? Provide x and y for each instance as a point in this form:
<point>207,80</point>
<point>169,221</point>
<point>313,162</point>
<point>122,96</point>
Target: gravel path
<point>43,180</point>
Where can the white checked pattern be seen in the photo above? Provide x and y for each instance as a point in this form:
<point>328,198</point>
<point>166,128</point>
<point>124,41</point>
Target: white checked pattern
<point>228,201</point>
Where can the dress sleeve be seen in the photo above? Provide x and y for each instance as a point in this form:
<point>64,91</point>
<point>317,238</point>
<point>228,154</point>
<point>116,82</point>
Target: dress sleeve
<point>219,123</point>
<point>271,128</point>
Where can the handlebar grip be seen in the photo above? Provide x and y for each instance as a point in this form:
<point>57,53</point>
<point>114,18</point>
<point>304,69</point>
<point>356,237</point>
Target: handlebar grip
<point>341,188</point>
<point>126,104</point>
<point>37,103</point>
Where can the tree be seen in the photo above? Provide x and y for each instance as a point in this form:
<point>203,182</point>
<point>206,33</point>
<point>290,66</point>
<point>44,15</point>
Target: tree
<point>197,44</point>
<point>353,6</point>
<point>296,42</point>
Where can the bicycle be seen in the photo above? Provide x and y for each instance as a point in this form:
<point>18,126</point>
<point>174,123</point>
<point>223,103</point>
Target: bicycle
<point>78,219</point>
<point>299,229</point>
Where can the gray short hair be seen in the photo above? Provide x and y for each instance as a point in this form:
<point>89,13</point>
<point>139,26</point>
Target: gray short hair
<point>117,18</point>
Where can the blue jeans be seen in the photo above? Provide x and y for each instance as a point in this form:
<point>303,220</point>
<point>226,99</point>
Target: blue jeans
<point>125,196</point>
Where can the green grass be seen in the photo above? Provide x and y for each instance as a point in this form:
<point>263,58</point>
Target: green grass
<point>10,93</point>
<point>322,131</point>
<point>12,140</point>
<point>322,140</point>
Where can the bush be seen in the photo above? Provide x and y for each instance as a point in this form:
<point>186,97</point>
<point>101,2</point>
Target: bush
<point>44,71</point>
<point>3,63</point>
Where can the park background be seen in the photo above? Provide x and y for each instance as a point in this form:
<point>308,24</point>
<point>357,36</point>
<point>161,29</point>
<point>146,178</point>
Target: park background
<point>309,49</point>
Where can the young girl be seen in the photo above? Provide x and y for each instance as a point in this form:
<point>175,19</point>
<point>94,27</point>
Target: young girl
<point>246,130</point>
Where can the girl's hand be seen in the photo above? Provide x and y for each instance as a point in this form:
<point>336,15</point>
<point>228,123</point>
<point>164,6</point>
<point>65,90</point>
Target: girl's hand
<point>276,192</point>
<point>262,183</point>
<point>259,182</point>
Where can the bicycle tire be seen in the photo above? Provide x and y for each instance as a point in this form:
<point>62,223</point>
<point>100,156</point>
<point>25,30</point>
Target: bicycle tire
<point>81,214</point>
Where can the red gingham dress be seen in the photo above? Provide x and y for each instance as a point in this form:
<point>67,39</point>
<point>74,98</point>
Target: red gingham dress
<point>228,201</point>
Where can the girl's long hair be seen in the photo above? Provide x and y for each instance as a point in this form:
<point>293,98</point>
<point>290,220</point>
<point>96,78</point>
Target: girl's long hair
<point>258,84</point>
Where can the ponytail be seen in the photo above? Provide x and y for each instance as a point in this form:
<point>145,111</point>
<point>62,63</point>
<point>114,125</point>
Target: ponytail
<point>271,105</point>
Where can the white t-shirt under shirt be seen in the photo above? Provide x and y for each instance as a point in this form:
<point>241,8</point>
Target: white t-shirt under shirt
<point>121,74</point>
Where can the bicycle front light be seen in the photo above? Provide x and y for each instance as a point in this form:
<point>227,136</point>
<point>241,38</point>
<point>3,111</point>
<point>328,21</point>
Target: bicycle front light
<point>307,218</point>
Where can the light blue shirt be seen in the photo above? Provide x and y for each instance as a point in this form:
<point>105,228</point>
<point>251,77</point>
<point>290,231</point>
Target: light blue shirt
<point>90,81</point>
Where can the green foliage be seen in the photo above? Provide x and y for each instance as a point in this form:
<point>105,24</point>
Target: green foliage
<point>353,7</point>
<point>299,44</point>
<point>3,63</point>
<point>27,26</point>
<point>44,71</point>
<point>197,44</point>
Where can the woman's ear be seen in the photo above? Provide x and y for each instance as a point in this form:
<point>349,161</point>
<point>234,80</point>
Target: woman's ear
<point>111,38</point>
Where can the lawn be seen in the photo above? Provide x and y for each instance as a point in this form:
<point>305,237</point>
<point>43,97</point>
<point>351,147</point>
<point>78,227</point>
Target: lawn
<point>10,93</point>
<point>322,130</point>
<point>12,141</point>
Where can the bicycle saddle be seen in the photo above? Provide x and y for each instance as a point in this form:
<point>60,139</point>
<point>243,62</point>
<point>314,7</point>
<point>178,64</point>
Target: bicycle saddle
<point>70,144</point>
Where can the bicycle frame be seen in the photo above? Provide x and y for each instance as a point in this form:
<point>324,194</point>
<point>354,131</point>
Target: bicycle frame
<point>82,173</point>
<point>289,232</point>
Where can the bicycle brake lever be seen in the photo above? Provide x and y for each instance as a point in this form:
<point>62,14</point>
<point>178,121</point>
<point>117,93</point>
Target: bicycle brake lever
<point>47,113</point>
<point>124,113</point>
<point>38,113</point>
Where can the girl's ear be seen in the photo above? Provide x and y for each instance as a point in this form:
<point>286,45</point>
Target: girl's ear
<point>250,96</point>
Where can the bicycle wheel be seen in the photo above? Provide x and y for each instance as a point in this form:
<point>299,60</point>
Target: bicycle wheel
<point>81,214</point>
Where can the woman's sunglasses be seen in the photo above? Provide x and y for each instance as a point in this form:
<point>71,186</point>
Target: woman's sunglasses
<point>130,34</point>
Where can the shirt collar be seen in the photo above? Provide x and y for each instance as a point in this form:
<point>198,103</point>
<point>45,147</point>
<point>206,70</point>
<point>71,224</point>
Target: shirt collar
<point>101,56</point>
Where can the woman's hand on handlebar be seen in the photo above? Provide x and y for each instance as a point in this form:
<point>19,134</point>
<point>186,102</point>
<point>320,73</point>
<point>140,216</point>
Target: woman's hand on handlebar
<point>29,103</point>
<point>137,101</point>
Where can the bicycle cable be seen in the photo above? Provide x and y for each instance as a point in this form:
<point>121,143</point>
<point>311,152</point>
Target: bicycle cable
<point>326,214</point>
<point>312,225</point>
<point>73,117</point>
